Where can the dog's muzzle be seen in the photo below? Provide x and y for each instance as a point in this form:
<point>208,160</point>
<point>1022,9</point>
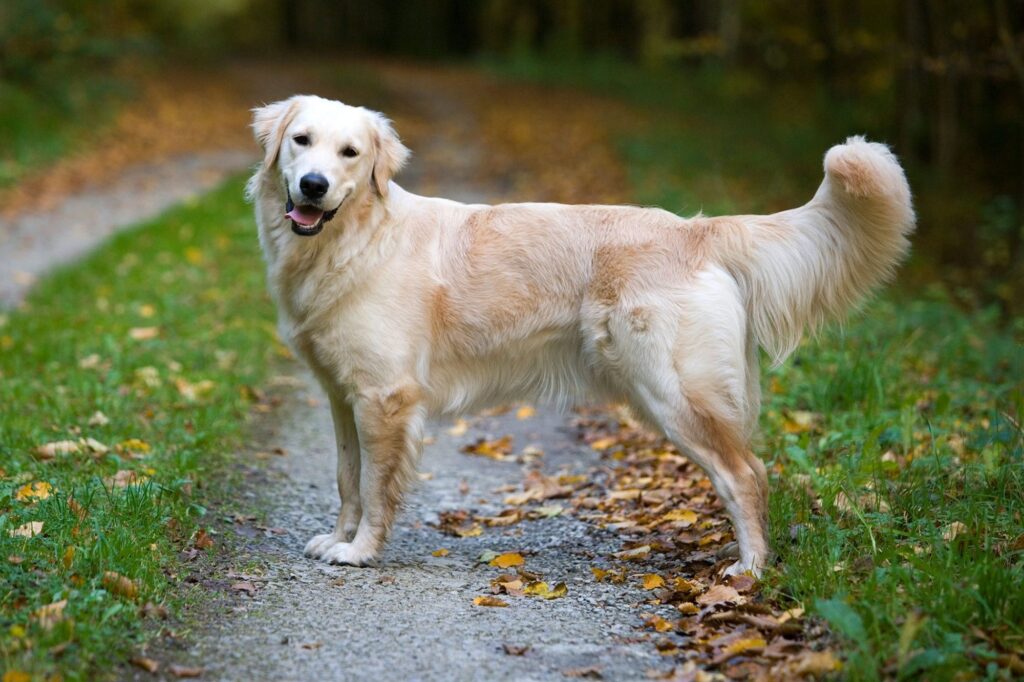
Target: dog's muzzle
<point>307,221</point>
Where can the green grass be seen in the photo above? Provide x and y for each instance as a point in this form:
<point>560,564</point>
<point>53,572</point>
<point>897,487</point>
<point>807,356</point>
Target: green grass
<point>884,435</point>
<point>173,405</point>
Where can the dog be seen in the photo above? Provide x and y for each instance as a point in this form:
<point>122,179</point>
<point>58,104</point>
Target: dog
<point>406,306</point>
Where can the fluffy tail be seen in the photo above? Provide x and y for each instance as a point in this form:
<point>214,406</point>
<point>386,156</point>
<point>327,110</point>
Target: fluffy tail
<point>813,263</point>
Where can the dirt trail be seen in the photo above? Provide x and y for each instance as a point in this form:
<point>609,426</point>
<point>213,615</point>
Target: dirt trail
<point>412,617</point>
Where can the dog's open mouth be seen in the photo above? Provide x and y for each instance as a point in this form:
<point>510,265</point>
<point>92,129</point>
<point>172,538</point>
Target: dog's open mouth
<point>307,220</point>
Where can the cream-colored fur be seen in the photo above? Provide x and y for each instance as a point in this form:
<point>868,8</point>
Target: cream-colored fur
<point>407,306</point>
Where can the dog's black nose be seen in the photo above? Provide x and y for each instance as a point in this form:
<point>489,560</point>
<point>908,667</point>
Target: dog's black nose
<point>314,185</point>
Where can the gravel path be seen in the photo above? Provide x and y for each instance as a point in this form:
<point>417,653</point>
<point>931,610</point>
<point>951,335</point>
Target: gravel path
<point>32,244</point>
<point>412,617</point>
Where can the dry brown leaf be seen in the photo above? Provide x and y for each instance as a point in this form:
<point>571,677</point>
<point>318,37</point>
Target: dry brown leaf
<point>184,670</point>
<point>246,586</point>
<point>592,672</point>
<point>495,449</point>
<point>60,447</point>
<point>147,664</point>
<point>115,583</point>
<point>720,594</point>
<point>515,650</point>
<point>202,540</point>
<point>635,554</point>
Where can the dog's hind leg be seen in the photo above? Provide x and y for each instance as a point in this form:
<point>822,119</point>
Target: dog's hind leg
<point>347,441</point>
<point>390,426</point>
<point>692,376</point>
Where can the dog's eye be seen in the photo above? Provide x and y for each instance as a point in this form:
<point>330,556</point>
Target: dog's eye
<point>301,140</point>
<point>350,152</point>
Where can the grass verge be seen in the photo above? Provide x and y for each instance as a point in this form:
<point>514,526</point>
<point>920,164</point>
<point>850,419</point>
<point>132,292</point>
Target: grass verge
<point>138,364</point>
<point>895,441</point>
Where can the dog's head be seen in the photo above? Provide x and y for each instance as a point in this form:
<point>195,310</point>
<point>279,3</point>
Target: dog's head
<point>328,155</point>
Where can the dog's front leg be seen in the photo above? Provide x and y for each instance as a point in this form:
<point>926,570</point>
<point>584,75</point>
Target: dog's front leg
<point>390,426</point>
<point>347,441</point>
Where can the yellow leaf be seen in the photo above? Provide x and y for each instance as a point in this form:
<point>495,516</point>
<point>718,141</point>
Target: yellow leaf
<point>440,552</point>
<point>194,255</point>
<point>658,623</point>
<point>39,490</point>
<point>742,645</point>
<point>486,600</point>
<point>653,581</point>
<point>147,310</point>
<point>507,560</point>
<point>525,412</point>
<point>69,557</point>
<point>541,589</point>
<point>17,676</point>
<point>17,631</point>
<point>603,443</point>
<point>460,427</point>
<point>799,421</point>
<point>688,517</point>
<point>133,445</point>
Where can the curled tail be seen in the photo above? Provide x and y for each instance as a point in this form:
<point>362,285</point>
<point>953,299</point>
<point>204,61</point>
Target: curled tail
<point>813,263</point>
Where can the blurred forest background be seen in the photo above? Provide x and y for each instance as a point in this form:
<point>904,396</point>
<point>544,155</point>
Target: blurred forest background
<point>940,80</point>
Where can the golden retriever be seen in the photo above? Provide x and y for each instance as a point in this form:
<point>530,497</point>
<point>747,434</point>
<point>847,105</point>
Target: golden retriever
<point>406,307</point>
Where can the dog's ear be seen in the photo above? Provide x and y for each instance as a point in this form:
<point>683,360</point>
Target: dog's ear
<point>268,125</point>
<point>389,153</point>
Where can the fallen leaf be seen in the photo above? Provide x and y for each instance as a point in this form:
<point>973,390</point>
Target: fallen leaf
<point>440,552</point>
<point>147,310</point>
<point>507,560</point>
<point>636,554</point>
<point>494,449</point>
<point>739,647</point>
<point>652,581</point>
<point>514,650</point>
<point>311,646</point>
<point>814,663</point>
<point>592,672</point>
<point>246,586</point>
<point>124,478</point>
<point>147,664</point>
<point>143,333</point>
<point>16,676</point>
<point>30,492</point>
<point>541,589</point>
<point>953,530</point>
<point>61,447</point>
<point>525,412</point>
<point>720,594</point>
<point>800,421</point>
<point>202,540</point>
<point>184,671</point>
<point>487,600</point>
<point>687,517</point>
<point>48,616</point>
<point>68,558</point>
<point>658,623</point>
<point>194,392</point>
<point>115,583</point>
<point>28,530</point>
<point>603,443</point>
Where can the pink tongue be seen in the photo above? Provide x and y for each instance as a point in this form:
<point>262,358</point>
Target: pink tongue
<point>307,216</point>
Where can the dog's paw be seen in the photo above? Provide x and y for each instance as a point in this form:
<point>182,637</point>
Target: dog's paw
<point>348,553</point>
<point>320,544</point>
<point>740,567</point>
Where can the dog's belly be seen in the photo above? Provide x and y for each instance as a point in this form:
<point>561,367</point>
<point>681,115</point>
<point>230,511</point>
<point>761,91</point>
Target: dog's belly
<point>551,369</point>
